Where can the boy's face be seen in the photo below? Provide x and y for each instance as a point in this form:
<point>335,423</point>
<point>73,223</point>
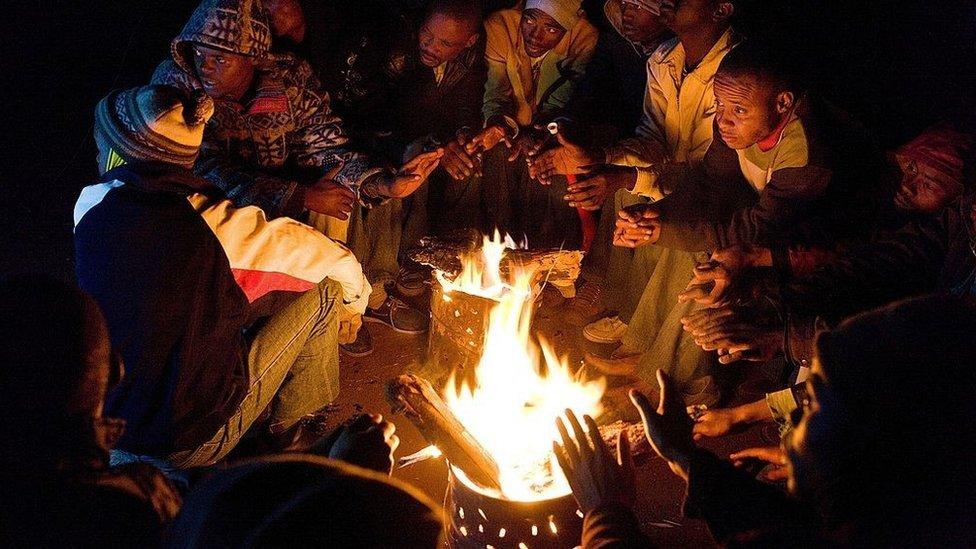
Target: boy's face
<point>224,75</point>
<point>682,16</point>
<point>540,32</point>
<point>638,24</point>
<point>442,38</point>
<point>746,110</point>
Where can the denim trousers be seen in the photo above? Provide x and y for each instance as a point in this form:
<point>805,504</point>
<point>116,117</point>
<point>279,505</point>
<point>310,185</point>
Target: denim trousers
<point>292,369</point>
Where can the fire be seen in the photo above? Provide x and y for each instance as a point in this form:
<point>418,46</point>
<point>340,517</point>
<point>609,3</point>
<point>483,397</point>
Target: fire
<point>520,387</point>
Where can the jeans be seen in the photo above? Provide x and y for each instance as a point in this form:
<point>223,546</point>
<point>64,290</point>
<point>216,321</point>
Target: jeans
<point>292,368</point>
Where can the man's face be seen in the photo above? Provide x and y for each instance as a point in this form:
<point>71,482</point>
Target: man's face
<point>442,38</point>
<point>540,32</point>
<point>224,75</point>
<point>816,449</point>
<point>745,110</point>
<point>924,189</point>
<point>683,16</point>
<point>638,24</point>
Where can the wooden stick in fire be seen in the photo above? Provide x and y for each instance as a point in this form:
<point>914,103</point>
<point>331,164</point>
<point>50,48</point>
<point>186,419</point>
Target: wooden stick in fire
<point>422,405</point>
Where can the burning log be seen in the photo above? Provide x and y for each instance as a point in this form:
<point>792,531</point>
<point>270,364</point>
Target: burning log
<point>558,267</point>
<point>418,400</point>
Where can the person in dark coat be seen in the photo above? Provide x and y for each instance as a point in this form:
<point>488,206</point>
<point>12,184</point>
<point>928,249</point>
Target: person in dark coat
<point>880,455</point>
<point>60,490</point>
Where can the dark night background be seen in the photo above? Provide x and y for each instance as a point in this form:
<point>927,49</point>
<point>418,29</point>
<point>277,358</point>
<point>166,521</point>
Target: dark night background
<point>898,65</point>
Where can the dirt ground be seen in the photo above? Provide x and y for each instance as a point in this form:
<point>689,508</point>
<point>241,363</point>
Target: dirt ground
<point>660,492</point>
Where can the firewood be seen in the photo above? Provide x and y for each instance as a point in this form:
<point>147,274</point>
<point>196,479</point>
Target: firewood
<point>420,403</point>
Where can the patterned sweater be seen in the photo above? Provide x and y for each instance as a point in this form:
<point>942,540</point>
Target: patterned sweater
<point>282,136</point>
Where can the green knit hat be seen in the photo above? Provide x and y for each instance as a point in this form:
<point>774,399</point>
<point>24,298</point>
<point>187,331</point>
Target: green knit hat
<point>153,123</point>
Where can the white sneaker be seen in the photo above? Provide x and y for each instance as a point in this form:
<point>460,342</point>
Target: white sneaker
<point>605,330</point>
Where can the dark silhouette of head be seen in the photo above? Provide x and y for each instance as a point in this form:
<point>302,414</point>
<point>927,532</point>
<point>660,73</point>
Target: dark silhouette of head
<point>302,500</point>
<point>887,441</point>
<point>56,372</point>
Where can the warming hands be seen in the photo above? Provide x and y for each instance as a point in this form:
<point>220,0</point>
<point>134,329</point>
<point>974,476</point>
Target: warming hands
<point>596,477</point>
<point>637,225</point>
<point>367,441</point>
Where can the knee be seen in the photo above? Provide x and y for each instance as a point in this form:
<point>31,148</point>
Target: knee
<point>330,300</point>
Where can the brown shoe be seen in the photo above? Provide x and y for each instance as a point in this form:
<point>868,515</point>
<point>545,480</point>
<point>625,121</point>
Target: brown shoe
<point>616,365</point>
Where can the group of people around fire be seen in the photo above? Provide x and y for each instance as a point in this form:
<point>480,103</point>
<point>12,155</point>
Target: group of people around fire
<point>257,197</point>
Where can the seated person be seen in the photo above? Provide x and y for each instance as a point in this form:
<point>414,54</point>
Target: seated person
<point>535,55</point>
<point>221,315</point>
<point>273,138</point>
<point>787,170</point>
<point>879,457</point>
<point>639,286</point>
<point>302,500</point>
<point>55,470</point>
<point>607,99</point>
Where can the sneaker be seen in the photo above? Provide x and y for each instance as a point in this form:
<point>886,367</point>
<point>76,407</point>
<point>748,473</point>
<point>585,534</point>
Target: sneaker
<point>605,330</point>
<point>412,282</point>
<point>399,316</point>
<point>363,346</point>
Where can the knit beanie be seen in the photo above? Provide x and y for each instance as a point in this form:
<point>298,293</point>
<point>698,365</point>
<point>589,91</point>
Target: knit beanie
<point>565,12</point>
<point>153,123</point>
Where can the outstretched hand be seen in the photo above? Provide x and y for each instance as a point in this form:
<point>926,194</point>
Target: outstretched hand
<point>637,225</point>
<point>771,455</point>
<point>564,159</point>
<point>412,174</point>
<point>668,427</point>
<point>736,332</point>
<point>714,282</point>
<point>594,475</point>
<point>367,441</point>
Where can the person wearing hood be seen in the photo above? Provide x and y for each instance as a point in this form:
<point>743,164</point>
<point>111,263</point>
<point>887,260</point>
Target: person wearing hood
<point>225,319</point>
<point>535,53</point>
<point>273,137</point>
<point>607,99</point>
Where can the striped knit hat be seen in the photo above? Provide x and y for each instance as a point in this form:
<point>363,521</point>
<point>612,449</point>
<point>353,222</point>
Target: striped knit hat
<point>153,123</point>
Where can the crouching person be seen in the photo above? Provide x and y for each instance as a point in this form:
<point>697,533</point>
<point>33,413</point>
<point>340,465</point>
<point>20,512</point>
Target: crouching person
<point>222,316</point>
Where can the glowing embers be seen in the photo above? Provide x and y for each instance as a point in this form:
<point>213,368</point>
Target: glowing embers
<point>518,388</point>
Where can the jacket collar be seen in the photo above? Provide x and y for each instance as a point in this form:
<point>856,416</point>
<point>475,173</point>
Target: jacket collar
<point>674,57</point>
<point>159,177</point>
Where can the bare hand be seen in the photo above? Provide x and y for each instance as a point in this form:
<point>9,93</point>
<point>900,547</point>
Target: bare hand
<point>523,145</point>
<point>668,428</point>
<point>412,175</point>
<point>709,286</point>
<point>773,455</point>
<point>330,198</point>
<point>714,423</point>
<point>349,325</point>
<point>737,333</point>
<point>367,441</point>
<point>637,225</point>
<point>487,139</point>
<point>594,475</point>
<point>458,163</point>
<point>564,159</point>
<point>591,192</point>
